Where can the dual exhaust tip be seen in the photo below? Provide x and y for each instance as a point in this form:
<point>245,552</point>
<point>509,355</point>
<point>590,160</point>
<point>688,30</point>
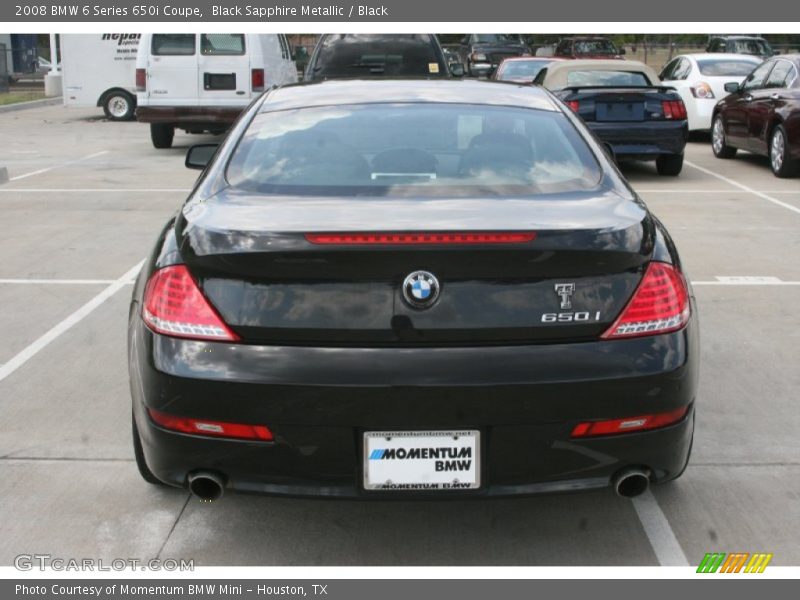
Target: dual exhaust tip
<point>206,485</point>
<point>627,483</point>
<point>631,482</point>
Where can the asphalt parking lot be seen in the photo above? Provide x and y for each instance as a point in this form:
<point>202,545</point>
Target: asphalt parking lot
<point>85,201</point>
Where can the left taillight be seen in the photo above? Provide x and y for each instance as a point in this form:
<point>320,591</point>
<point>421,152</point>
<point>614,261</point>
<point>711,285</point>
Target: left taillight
<point>659,305</point>
<point>574,105</point>
<point>240,431</point>
<point>141,80</point>
<point>257,80</point>
<point>174,305</point>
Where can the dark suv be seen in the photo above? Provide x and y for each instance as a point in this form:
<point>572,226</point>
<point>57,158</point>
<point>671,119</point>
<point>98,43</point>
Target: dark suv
<point>587,47</point>
<point>740,44</point>
<point>482,53</point>
<point>380,55</point>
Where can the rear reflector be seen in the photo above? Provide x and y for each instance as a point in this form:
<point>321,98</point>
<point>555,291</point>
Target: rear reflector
<point>141,80</point>
<point>628,424</point>
<point>463,237</point>
<point>674,109</point>
<point>174,305</point>
<point>257,80</point>
<point>212,428</point>
<point>659,305</point>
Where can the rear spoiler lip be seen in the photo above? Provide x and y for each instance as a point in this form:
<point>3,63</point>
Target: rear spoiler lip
<point>617,89</point>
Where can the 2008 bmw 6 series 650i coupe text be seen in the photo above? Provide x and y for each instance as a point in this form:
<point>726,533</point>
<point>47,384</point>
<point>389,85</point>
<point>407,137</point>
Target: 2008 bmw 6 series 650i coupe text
<point>411,288</point>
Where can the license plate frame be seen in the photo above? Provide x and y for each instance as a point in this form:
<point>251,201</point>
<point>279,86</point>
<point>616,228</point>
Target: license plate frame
<point>406,470</point>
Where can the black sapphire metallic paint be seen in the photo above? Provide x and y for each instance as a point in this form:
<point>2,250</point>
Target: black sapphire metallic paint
<point>329,349</point>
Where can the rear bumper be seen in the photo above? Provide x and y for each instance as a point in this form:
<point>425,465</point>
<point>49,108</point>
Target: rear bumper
<point>189,115</point>
<point>319,401</point>
<point>642,140</point>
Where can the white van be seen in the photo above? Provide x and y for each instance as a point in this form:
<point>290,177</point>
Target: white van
<point>98,70</point>
<point>201,82</point>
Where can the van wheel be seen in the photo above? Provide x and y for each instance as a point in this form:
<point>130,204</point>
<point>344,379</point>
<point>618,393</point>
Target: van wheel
<point>119,105</point>
<point>669,164</point>
<point>162,135</point>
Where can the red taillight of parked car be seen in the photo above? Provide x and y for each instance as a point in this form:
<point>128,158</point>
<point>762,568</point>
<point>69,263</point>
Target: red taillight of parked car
<point>257,80</point>
<point>628,424</point>
<point>174,305</point>
<point>141,80</point>
<point>574,105</point>
<point>659,305</point>
<point>674,109</point>
<point>239,431</point>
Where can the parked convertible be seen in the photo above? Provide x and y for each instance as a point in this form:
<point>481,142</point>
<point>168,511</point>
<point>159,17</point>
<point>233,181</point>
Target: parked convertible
<point>624,103</point>
<point>762,115</point>
<point>411,288</point>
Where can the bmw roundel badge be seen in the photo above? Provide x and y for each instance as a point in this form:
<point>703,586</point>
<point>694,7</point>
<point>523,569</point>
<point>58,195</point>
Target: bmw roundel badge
<point>421,289</point>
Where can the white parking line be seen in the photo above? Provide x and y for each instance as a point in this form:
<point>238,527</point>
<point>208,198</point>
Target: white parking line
<point>687,191</point>
<point>92,190</point>
<point>66,164</point>
<point>658,531</point>
<point>33,349</point>
<point>742,186</point>
<point>58,281</point>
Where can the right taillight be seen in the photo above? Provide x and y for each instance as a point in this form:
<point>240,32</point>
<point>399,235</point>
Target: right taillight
<point>141,80</point>
<point>257,80</point>
<point>659,305</point>
<point>174,305</point>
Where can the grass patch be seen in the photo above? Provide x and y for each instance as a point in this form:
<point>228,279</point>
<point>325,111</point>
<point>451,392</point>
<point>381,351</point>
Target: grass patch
<point>15,97</point>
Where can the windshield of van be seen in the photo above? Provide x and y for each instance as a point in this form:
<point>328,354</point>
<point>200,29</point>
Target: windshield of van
<point>359,55</point>
<point>412,149</point>
<point>496,38</point>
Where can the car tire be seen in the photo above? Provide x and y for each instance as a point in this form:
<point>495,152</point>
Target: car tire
<point>162,135</point>
<point>138,453</point>
<point>718,143</point>
<point>779,158</point>
<point>119,105</point>
<point>669,164</point>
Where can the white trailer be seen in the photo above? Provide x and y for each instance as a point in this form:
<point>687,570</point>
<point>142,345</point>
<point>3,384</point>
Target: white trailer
<point>99,69</point>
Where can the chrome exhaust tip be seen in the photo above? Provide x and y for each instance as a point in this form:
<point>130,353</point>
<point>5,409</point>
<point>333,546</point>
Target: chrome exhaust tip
<point>206,485</point>
<point>629,483</point>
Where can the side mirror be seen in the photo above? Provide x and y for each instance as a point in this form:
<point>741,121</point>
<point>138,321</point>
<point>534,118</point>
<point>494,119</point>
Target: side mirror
<point>732,87</point>
<point>622,51</point>
<point>456,69</point>
<point>199,156</point>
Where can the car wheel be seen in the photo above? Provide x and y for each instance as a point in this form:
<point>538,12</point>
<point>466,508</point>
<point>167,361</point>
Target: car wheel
<point>669,164</point>
<point>119,106</point>
<point>718,143</point>
<point>162,135</point>
<point>779,158</point>
<point>144,470</point>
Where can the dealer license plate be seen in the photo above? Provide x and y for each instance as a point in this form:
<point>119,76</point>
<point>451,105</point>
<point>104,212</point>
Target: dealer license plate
<point>422,460</point>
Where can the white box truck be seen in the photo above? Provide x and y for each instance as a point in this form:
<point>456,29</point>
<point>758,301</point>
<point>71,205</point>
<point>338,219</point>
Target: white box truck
<point>202,82</point>
<point>99,69</point>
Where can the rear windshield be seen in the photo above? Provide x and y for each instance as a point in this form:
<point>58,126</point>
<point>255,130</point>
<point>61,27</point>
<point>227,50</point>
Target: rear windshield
<point>412,149</point>
<point>607,78</point>
<point>727,67</point>
<point>496,38</point>
<point>379,55</point>
<point>172,44</point>
<point>517,69</point>
<point>222,44</point>
<point>594,47</point>
<point>757,47</point>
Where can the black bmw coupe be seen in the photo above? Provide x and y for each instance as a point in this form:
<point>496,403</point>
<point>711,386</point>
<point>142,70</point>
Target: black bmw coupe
<point>411,288</point>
